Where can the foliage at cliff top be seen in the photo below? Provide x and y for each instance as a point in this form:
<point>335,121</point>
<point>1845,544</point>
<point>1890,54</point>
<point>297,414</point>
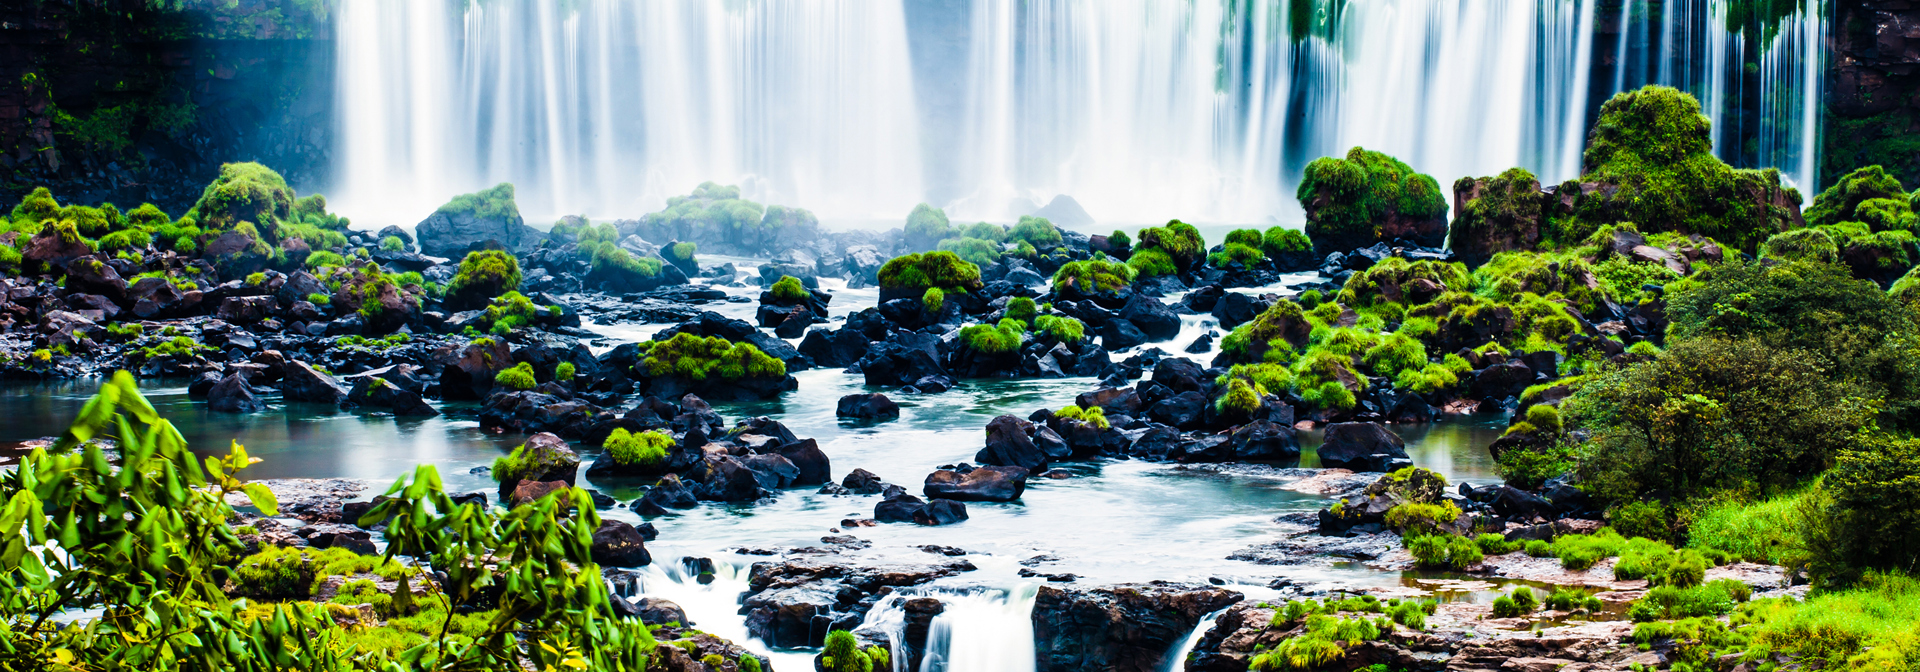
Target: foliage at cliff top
<point>494,203</point>
<point>921,270</point>
<point>1348,199</point>
<point>1655,147</point>
<point>1093,276</point>
<point>1869,196</point>
<point>700,357</point>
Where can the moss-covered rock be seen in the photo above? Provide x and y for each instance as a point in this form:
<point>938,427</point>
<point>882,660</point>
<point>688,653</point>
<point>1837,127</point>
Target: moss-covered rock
<point>483,275</point>
<point>1036,231</point>
<point>1801,245</point>
<point>1367,197</point>
<point>715,216</point>
<point>486,218</point>
<point>1650,161</point>
<point>977,251</point>
<point>712,367</point>
<point>616,270</point>
<point>381,303</point>
<point>680,254</point>
<point>1869,196</point>
<point>245,192</point>
<point>911,275</point>
<point>1178,242</point>
<point>1100,279</point>
<point>1496,214</point>
<point>1271,336</point>
<point>926,227</point>
<point>1409,283</point>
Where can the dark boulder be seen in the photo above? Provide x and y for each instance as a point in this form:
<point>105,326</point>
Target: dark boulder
<point>303,383</point>
<point>867,407</point>
<point>1153,318</point>
<point>1119,334</point>
<point>982,484</point>
<point>669,494</point>
<point>1009,445</point>
<point>1234,309</point>
<point>618,544</point>
<point>812,463</point>
<point>1122,628</point>
<point>941,512</point>
<point>233,395</point>
<point>1265,440</point>
<point>379,393</point>
<point>898,509</point>
<point>1183,410</point>
<point>1360,446</point>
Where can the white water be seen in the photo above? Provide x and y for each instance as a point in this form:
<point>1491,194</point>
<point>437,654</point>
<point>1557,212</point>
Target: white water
<point>1142,110</point>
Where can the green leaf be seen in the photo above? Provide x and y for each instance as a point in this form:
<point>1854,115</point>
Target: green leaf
<point>263,499</point>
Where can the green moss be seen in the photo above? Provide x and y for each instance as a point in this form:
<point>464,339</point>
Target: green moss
<point>126,239</point>
<point>393,244</point>
<point>564,372</point>
<point>1148,262</point>
<point>522,463</point>
<point>495,203</point>
<point>1240,399</point>
<point>486,274</point>
<point>1094,276</point>
<point>38,206</point>
<point>1235,253</point>
<point>1857,195</point>
<point>680,253</point>
<point>1277,331</point>
<point>919,271</point>
<point>973,250</point>
<point>1095,416</point>
<point>1022,308</point>
<point>700,357</point>
<point>1280,240</point>
<point>1801,245</point>
<point>610,260</point>
<point>645,449</point>
<point>926,227</point>
<point>1348,199</point>
<point>992,233</point>
<point>843,654</point>
<point>1003,338</point>
<point>933,300</point>
<point>1179,241</point>
<point>788,288</point>
<point>1063,329</point>
<point>519,377</point>
<point>1035,230</point>
<point>1120,242</point>
<point>245,192</point>
<point>1444,551</point>
<point>1396,353</point>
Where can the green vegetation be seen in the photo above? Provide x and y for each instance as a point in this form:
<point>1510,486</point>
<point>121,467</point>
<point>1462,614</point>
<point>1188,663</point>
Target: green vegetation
<point>1240,401</point>
<point>1006,337</point>
<point>645,449</point>
<point>393,244</point>
<point>245,192</point>
<point>1022,308</point>
<point>913,274</point>
<point>517,377</point>
<point>1095,416</point>
<point>700,357</point>
<point>494,203</point>
<point>563,372</point>
<point>1166,250</point>
<point>926,227</point>
<point>1347,200</point>
<point>484,274</point>
<point>788,288</point>
<point>1093,276</point>
<point>166,576</point>
<point>975,251</point>
<point>1280,240</point>
<point>1063,329</point>
<point>843,654</point>
<point>1321,642</point>
<point>1444,551</point>
<point>1520,602</point>
<point>1036,231</point>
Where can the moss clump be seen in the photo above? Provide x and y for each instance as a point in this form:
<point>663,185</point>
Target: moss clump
<point>508,312</point>
<point>1022,308</point>
<point>245,192</point>
<point>1444,551</point>
<point>999,339</point>
<point>393,244</point>
<point>1063,329</point>
<point>1245,256</point>
<point>975,250</point>
<point>788,288</point>
<point>1271,336</point>
<point>1347,200</point>
<point>1801,245</point>
<point>701,357</point>
<point>912,274</point>
<point>1178,242</point>
<point>646,449</point>
<point>519,377</point>
<point>1240,400</point>
<point>1844,201</point>
<point>324,259</point>
<point>521,463</point>
<point>613,263</point>
<point>1501,213</point>
<point>564,372</point>
<point>1151,262</point>
<point>926,227</point>
<point>992,233</point>
<point>1095,416</point>
<point>1650,160</point>
<point>494,203</point>
<point>484,274</point>
<point>681,254</point>
<point>1280,240</point>
<point>1429,379</point>
<point>933,301</point>
<point>1396,352</point>
<point>38,206</point>
<point>1265,378</point>
<point>1035,230</point>
<point>1093,276</point>
<point>1120,242</point>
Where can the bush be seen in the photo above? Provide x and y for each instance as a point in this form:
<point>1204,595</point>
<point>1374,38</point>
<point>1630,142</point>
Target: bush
<point>1396,353</point>
<point>645,449</point>
<point>1578,552</point>
<point>1181,243</point>
<point>788,288</point>
<point>1093,276</point>
<point>1842,201</point>
<point>393,244</point>
<point>1663,603</point>
<point>1281,240</point>
<point>1495,544</point>
<point>1642,519</point>
<point>484,274</point>
<point>1570,599</point>
<point>1730,412</point>
<point>563,372</point>
<point>1865,514</point>
<point>1801,245</point>
<point>245,192</point>
<point>1022,308</point>
<point>973,250</point>
<point>495,203</point>
<point>842,654</point>
<point>1765,531</point>
<point>926,227</point>
<point>1240,400</point>
<point>1444,551</point>
<point>1519,603</point>
<point>1271,336</point>
<point>1346,198</point>
<point>1319,646</point>
<point>1148,262</point>
<point>1414,519</point>
<point>699,357</point>
<point>1095,416</point>
<point>1245,256</point>
<point>519,377</point>
<point>933,300</point>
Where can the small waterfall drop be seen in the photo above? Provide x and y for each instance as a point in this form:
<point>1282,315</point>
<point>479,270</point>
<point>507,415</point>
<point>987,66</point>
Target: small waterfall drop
<point>986,630</point>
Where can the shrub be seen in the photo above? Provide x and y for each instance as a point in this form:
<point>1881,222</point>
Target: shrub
<point>1239,401</point>
<point>1801,245</point>
<point>393,244</point>
<point>324,259</point>
<point>698,357</point>
<point>519,377</point>
<point>788,288</point>
<point>933,300</point>
<point>1280,240</point>
<point>245,192</point>
<point>1148,262</point>
<point>563,372</point>
<point>1865,514</point>
<point>1495,544</point>
<point>1842,201</point>
<point>645,449</point>
<point>1765,531</point>
<point>494,203</point>
<point>1003,338</point>
<point>485,274</point>
<point>1120,242</point>
<point>1396,353</point>
<point>1328,395</point>
<point>973,250</point>
<point>1246,256</point>
<point>1270,336</point>
<point>1420,518</point>
<point>1093,276</point>
<point>1578,552</point>
<point>842,654</point>
<point>1569,599</point>
<point>1319,646</point>
<point>1662,603</point>
<point>1642,519</point>
<point>1520,603</point>
<point>1428,380</point>
<point>614,265</point>
<point>1444,551</point>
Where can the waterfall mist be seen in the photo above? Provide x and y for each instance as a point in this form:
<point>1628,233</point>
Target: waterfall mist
<point>1141,110</point>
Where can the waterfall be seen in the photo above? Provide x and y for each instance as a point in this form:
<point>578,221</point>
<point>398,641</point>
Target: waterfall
<point>1141,110</point>
<point>985,630</point>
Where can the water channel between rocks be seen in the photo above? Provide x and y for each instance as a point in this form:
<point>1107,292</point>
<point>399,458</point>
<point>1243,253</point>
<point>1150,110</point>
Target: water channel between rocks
<point>1112,522</point>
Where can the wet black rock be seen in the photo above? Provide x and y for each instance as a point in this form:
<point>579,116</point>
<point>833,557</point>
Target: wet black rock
<point>671,493</point>
<point>1362,446</point>
<point>1121,628</point>
<point>1153,318</point>
<point>982,484</point>
<point>1008,444</point>
<point>233,395</point>
<point>618,544</point>
<point>867,407</point>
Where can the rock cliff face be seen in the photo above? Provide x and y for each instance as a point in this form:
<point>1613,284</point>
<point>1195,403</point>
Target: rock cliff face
<point>123,102</point>
<point>1122,628</point>
<point>1873,89</point>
